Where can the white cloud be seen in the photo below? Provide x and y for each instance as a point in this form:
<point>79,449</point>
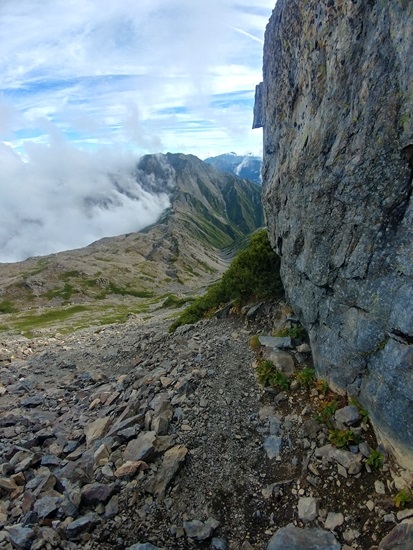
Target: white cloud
<point>64,198</point>
<point>74,60</point>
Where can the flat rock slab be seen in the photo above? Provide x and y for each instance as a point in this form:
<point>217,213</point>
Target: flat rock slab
<point>144,546</point>
<point>172,462</point>
<point>141,448</point>
<point>21,537</point>
<point>97,429</point>
<point>294,538</point>
<point>276,342</point>
<point>307,509</point>
<point>198,530</point>
<point>400,538</point>
<point>82,525</point>
<point>96,493</point>
<point>272,446</point>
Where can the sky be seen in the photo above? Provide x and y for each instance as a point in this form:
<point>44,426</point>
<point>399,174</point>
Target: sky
<point>88,86</point>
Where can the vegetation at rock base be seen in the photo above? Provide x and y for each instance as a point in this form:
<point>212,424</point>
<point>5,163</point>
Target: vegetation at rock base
<point>6,307</point>
<point>297,332</point>
<point>362,411</point>
<point>254,274</point>
<point>343,438</point>
<point>255,343</point>
<point>375,459</point>
<point>322,386</point>
<point>327,411</point>
<point>403,497</point>
<point>306,377</point>
<point>268,375</point>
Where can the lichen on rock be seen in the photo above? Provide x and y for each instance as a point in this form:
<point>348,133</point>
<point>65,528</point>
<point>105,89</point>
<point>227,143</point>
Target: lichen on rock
<point>336,106</point>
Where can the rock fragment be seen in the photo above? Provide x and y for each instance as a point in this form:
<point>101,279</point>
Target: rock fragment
<point>197,530</point>
<point>333,521</point>
<point>141,448</point>
<point>272,446</point>
<point>172,461</point>
<point>307,509</point>
<point>97,429</point>
<point>81,525</point>
<point>400,538</point>
<point>294,538</point>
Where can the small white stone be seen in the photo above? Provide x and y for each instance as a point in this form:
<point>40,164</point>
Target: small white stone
<point>379,487</point>
<point>341,470</point>
<point>403,514</point>
<point>333,521</point>
<point>370,505</point>
<point>350,535</point>
<point>307,509</point>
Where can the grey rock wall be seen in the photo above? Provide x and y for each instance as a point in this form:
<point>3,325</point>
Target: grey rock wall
<point>336,105</point>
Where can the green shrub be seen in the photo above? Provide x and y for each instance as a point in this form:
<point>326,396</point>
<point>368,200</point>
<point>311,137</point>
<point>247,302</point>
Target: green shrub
<point>298,332</point>
<point>130,291</point>
<point>172,301</point>
<point>375,459</point>
<point>306,378</point>
<point>403,497</point>
<point>268,375</point>
<point>327,411</point>
<point>69,274</point>
<point>255,343</point>
<point>6,307</point>
<point>64,293</point>
<point>342,438</point>
<point>254,274</point>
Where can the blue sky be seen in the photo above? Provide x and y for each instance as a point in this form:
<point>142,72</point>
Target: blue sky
<point>88,86</point>
<point>145,75</point>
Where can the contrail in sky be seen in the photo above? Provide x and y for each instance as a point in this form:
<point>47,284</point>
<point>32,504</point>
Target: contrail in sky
<point>247,34</point>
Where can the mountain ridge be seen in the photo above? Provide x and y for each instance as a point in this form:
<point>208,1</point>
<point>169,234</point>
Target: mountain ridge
<point>243,166</point>
<point>186,249</point>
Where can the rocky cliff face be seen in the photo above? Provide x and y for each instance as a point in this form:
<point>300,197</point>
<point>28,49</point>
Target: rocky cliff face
<point>336,105</point>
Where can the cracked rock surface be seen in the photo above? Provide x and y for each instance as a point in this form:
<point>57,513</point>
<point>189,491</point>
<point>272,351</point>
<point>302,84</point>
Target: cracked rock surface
<point>336,104</point>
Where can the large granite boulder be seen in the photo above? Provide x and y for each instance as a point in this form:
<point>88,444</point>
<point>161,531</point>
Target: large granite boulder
<point>336,105</point>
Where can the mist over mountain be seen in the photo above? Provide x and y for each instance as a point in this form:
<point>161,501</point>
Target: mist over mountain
<point>204,214</point>
<point>246,166</point>
<point>62,198</point>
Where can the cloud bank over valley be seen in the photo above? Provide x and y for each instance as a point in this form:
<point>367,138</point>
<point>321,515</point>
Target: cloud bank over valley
<point>64,198</point>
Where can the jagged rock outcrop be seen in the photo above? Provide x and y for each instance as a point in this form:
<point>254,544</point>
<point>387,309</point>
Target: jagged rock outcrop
<point>336,105</point>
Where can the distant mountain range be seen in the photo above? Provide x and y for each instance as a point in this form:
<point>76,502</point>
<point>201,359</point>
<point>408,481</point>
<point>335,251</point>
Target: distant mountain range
<point>210,213</point>
<point>245,167</point>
